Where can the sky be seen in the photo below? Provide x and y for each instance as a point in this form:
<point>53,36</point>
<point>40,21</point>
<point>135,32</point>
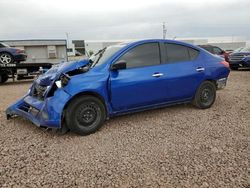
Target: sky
<point>127,19</point>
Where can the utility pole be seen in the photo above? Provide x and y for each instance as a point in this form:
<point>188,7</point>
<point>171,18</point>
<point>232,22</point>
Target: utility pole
<point>67,45</point>
<point>164,30</point>
<point>67,36</point>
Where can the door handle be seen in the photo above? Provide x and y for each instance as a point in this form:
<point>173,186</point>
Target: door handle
<point>157,75</point>
<point>200,69</point>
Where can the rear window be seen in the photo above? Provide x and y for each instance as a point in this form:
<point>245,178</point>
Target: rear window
<point>180,53</point>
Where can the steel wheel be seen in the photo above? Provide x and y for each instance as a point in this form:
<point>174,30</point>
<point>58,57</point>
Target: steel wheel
<point>85,114</point>
<point>205,95</point>
<point>5,58</point>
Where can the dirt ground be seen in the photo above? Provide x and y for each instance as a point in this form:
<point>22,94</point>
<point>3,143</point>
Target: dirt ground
<point>178,146</point>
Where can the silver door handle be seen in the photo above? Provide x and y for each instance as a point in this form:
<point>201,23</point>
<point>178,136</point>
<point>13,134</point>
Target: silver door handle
<point>200,69</point>
<point>157,74</point>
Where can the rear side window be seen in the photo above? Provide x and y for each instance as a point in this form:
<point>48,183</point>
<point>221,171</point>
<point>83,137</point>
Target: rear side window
<point>180,53</point>
<point>217,51</point>
<point>193,54</point>
<point>208,48</point>
<point>142,55</point>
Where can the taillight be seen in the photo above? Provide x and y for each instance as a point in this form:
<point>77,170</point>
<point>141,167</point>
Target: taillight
<point>225,63</point>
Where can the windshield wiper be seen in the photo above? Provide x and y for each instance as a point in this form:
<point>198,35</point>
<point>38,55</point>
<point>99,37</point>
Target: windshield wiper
<point>100,55</point>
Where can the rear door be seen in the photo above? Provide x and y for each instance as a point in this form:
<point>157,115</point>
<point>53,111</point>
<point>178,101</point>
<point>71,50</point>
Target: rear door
<point>183,72</point>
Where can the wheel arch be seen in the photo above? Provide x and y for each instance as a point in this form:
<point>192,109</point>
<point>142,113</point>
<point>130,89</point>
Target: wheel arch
<point>7,53</point>
<point>211,80</point>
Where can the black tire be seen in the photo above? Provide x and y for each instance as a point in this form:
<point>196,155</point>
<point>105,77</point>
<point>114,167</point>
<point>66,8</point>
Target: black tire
<point>3,78</point>
<point>234,68</point>
<point>6,58</point>
<point>19,77</point>
<point>205,95</point>
<point>85,115</point>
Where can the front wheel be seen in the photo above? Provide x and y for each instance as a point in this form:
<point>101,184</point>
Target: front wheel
<point>85,115</point>
<point>205,95</point>
<point>6,58</point>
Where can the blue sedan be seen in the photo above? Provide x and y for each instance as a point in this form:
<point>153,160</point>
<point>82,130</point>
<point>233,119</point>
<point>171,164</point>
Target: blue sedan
<point>10,55</point>
<point>121,79</point>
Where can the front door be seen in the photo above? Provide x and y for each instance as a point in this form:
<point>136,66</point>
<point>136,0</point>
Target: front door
<point>140,84</point>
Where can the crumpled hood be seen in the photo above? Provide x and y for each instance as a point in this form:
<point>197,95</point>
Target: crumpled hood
<point>54,73</point>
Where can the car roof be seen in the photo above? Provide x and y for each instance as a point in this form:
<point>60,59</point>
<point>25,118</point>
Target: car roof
<point>161,40</point>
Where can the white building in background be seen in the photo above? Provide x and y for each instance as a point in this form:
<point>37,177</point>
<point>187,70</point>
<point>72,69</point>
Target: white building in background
<point>95,45</point>
<point>42,51</point>
<point>226,42</point>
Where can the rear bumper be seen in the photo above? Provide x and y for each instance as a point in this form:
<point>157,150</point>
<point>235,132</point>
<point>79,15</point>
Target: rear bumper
<point>47,113</point>
<point>221,83</point>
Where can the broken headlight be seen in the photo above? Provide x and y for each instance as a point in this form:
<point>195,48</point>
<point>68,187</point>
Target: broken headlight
<point>63,81</point>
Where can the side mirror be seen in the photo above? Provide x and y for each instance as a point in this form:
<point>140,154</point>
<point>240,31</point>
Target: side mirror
<point>122,64</point>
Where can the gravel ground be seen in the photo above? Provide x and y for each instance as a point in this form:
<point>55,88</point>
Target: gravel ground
<point>178,146</point>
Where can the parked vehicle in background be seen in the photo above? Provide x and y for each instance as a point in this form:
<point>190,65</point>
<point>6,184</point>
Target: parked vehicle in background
<point>78,53</point>
<point>11,66</point>
<point>216,50</point>
<point>229,51</point>
<point>238,49</point>
<point>10,55</point>
<point>121,79</point>
<point>240,58</point>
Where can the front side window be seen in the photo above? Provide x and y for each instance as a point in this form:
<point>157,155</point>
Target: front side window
<point>142,55</point>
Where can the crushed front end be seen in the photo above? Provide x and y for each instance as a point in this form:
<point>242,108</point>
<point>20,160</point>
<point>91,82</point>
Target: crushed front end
<point>44,103</point>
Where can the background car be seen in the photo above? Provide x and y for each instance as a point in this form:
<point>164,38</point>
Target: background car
<point>10,55</point>
<point>216,50</point>
<point>240,58</point>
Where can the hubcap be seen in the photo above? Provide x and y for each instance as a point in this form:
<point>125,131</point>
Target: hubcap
<point>87,114</point>
<point>5,58</point>
<point>206,95</point>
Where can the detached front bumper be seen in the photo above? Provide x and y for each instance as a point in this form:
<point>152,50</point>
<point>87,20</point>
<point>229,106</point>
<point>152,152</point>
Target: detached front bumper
<point>46,113</point>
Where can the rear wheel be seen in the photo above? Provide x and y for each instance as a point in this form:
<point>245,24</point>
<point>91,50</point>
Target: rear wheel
<point>205,95</point>
<point>85,115</point>
<point>6,58</point>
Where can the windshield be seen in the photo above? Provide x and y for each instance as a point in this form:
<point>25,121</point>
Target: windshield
<point>103,55</point>
<point>4,45</point>
<point>246,49</point>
